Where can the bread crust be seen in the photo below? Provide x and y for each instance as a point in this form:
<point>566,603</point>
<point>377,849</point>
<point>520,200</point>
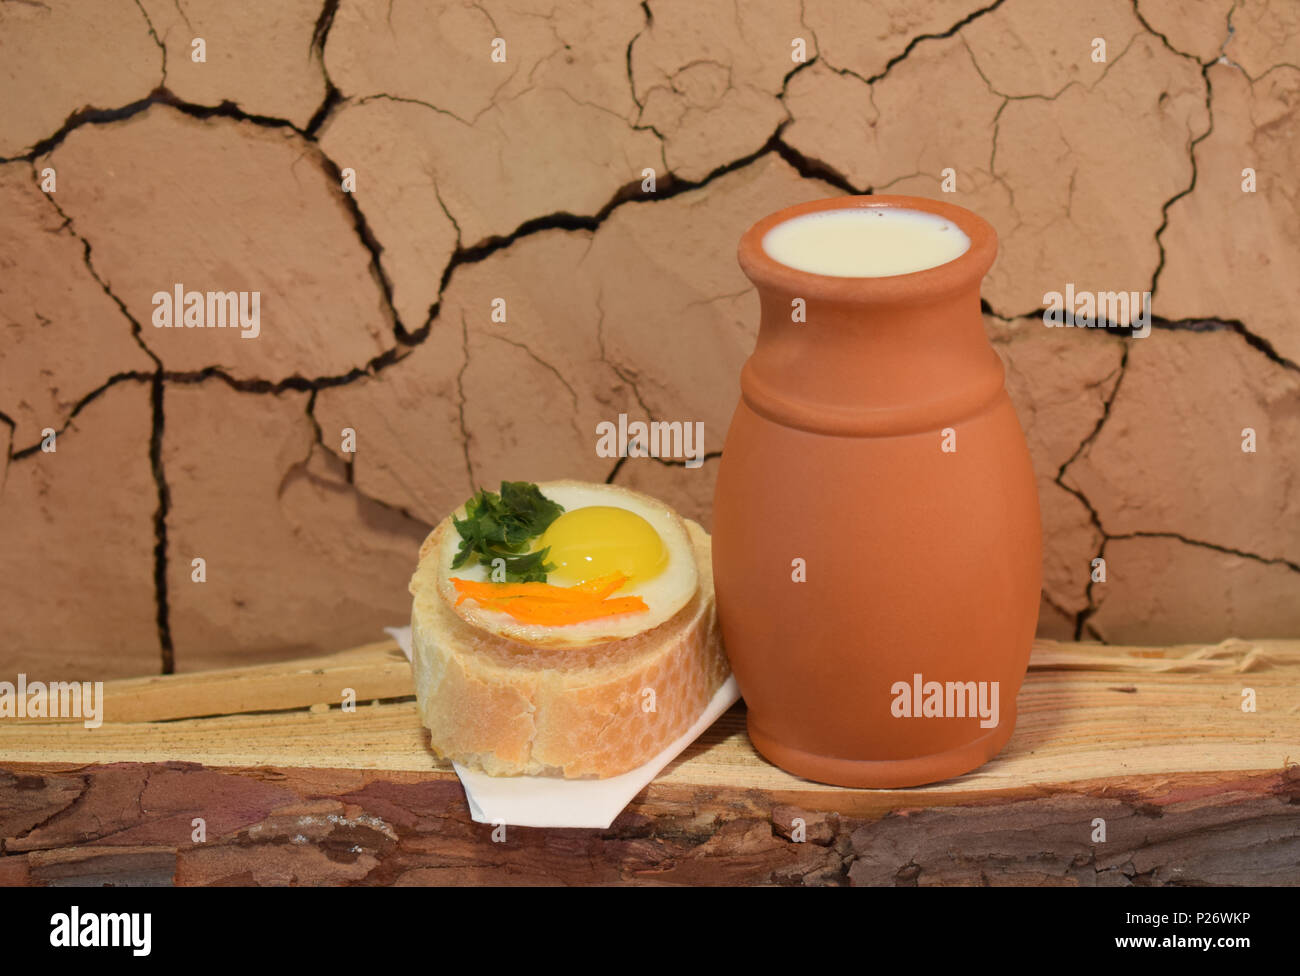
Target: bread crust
<point>510,708</point>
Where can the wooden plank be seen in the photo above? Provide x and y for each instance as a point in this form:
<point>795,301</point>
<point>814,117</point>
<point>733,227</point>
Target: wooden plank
<point>1073,724</point>
<point>134,823</point>
<point>1152,740</point>
<point>375,671</point>
<point>1230,656</point>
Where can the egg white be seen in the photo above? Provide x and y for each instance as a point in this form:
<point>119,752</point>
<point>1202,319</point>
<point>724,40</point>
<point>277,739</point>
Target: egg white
<point>664,594</point>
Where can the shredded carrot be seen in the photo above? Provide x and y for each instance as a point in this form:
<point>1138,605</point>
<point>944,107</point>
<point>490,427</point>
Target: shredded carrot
<point>474,590</point>
<point>554,613</point>
<point>603,586</point>
<point>543,603</point>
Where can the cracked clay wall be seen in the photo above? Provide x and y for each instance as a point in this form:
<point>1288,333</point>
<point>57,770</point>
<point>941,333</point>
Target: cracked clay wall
<point>380,173</point>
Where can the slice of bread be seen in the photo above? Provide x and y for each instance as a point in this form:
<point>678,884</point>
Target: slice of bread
<point>510,708</point>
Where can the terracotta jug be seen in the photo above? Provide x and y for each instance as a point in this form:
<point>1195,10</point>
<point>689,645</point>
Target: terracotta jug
<point>876,539</point>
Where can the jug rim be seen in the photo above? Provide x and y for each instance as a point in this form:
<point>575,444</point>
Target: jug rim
<point>966,270</point>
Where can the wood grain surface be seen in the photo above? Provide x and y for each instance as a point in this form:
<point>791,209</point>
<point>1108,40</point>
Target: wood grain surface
<point>294,789</point>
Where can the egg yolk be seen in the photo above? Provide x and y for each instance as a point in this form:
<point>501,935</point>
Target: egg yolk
<point>591,542</point>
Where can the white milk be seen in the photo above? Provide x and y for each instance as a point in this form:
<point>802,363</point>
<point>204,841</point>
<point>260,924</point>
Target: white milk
<point>865,242</point>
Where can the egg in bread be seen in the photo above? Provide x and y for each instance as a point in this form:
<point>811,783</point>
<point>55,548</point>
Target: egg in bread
<point>505,686</point>
<point>603,531</point>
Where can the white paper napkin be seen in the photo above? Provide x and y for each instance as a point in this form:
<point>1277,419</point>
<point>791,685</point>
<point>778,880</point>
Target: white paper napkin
<point>550,801</point>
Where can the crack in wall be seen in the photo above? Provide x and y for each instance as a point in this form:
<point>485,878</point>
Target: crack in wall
<point>184,16</point>
<point>1008,99</point>
<point>573,396</point>
<point>631,83</point>
<point>135,376</point>
<point>1184,54</point>
<point>1112,327</point>
<point>318,436</point>
<point>1256,342</point>
<point>1223,48</point>
<point>156,39</point>
<point>160,376</point>
<point>972,16</point>
<point>155,379</point>
<point>1047,598</point>
<point>667,187</point>
<point>407,100</point>
<point>376,363</point>
<point>349,470</point>
<point>433,178</point>
<point>460,389</point>
<point>1137,12</point>
<point>87,115</point>
<point>1228,550</point>
<point>333,97</point>
<point>1081,619</point>
<point>811,168</point>
<point>666,462</point>
<point>163,608</point>
<point>627,376</point>
<point>1191,152</point>
<point>613,472</point>
<point>137,332</point>
<point>230,110</point>
<point>911,45</point>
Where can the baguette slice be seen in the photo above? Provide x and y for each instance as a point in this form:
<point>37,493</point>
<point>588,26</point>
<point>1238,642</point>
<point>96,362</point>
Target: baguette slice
<point>510,708</point>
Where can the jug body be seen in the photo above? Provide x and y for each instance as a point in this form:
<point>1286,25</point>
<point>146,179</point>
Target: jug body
<point>876,538</point>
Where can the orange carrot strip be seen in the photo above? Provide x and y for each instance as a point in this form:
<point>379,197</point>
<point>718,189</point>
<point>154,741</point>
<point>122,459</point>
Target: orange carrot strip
<point>473,589</point>
<point>603,586</point>
<point>542,603</point>
<point>525,611</point>
<point>594,589</point>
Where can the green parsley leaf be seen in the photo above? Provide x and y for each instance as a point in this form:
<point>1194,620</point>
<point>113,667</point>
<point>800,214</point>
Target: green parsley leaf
<point>503,526</point>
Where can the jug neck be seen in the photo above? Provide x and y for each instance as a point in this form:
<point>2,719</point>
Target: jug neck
<point>871,356</point>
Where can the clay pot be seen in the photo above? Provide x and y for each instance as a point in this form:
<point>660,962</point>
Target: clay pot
<point>916,560</point>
